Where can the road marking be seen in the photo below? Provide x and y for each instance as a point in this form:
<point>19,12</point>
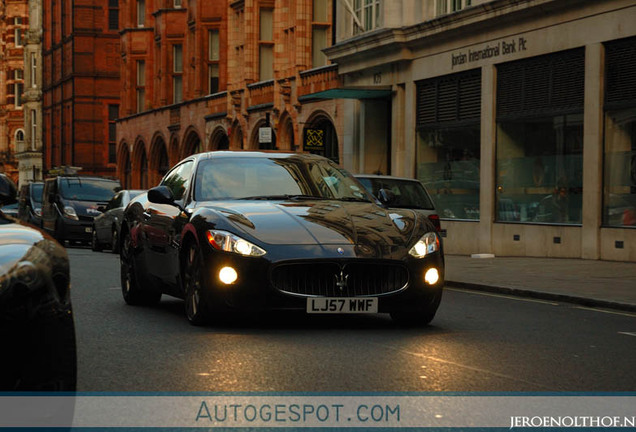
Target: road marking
<point>628,333</point>
<point>503,296</point>
<point>605,311</point>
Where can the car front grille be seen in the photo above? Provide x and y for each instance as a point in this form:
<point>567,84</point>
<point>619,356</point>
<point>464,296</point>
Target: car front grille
<point>340,279</point>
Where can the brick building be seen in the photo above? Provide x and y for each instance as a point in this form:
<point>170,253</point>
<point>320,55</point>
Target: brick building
<point>80,84</point>
<point>209,75</point>
<point>13,26</point>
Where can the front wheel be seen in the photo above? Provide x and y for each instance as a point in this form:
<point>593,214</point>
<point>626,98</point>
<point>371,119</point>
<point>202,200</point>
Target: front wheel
<point>132,291</point>
<point>195,306</point>
<point>95,246</point>
<point>114,241</point>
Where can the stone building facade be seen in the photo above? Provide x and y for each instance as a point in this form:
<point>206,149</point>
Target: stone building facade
<point>214,75</point>
<point>14,24</point>
<point>519,117</point>
<point>29,153</point>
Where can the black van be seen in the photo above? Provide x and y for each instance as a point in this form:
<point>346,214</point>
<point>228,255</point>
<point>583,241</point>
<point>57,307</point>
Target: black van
<point>71,202</point>
<point>30,203</point>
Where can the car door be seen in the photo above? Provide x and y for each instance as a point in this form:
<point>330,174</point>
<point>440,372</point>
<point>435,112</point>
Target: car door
<point>161,227</point>
<point>104,222</point>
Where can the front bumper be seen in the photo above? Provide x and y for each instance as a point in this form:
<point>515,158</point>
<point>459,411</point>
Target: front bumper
<point>256,290</point>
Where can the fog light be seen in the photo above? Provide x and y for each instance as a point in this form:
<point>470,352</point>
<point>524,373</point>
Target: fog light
<point>432,276</point>
<point>228,275</point>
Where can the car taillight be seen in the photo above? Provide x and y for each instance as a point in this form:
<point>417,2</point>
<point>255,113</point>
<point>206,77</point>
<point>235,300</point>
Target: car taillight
<point>435,219</point>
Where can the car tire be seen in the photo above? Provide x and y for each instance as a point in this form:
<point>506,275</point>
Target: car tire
<point>114,240</point>
<point>195,306</point>
<point>421,316</point>
<point>95,246</point>
<point>132,291</point>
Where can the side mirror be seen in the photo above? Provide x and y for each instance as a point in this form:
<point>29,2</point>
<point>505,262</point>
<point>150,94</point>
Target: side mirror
<point>8,190</point>
<point>161,195</point>
<point>386,197</point>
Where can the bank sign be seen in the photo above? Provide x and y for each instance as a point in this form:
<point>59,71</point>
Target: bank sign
<point>502,48</point>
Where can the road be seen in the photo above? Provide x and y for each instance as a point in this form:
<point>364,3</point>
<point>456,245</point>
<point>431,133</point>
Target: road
<point>477,342</point>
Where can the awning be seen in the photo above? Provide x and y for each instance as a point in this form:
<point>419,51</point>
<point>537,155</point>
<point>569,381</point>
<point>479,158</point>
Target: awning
<point>350,93</point>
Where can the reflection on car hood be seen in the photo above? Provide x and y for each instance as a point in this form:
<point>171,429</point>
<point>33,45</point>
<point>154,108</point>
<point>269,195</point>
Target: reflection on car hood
<point>319,222</point>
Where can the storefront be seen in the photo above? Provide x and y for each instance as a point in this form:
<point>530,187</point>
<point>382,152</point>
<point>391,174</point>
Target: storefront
<point>524,133</point>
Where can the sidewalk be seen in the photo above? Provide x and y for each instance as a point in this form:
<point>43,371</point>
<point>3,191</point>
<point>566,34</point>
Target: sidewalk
<point>595,283</point>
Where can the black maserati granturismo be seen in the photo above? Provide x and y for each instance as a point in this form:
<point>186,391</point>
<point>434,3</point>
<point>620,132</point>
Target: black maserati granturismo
<point>245,232</point>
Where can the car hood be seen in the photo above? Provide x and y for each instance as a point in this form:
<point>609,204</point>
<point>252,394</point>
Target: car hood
<point>320,222</point>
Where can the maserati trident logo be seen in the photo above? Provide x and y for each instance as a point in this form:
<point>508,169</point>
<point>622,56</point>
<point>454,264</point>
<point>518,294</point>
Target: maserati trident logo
<point>341,280</point>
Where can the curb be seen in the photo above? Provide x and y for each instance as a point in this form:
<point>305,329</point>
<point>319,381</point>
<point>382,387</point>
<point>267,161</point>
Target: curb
<point>583,301</point>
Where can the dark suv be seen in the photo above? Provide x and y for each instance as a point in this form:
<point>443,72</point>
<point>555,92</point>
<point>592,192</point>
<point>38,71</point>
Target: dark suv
<point>30,203</point>
<point>71,202</point>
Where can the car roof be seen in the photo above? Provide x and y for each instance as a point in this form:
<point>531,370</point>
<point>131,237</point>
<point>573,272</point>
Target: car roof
<point>385,177</point>
<point>257,154</point>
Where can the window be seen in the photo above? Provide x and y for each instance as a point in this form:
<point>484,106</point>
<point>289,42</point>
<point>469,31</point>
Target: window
<point>141,85</point>
<point>19,138</point>
<point>178,179</point>
<point>619,184</point>
<point>17,22</point>
<point>141,13</point>
<point>34,129</point>
<point>213,61</point>
<point>448,147</point>
<point>367,14</point>
<point>113,114</point>
<point>449,6</point>
<point>113,14</point>
<point>34,70</point>
<point>18,87</point>
<point>177,73</point>
<point>266,44</point>
<point>176,4</point>
<point>320,29</point>
<point>539,152</point>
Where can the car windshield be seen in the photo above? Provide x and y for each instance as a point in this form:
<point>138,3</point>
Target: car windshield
<point>275,178</point>
<point>36,193</point>
<point>88,189</point>
<point>408,193</point>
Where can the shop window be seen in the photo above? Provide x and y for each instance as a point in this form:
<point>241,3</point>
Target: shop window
<point>619,186</point>
<point>540,139</point>
<point>448,147</point>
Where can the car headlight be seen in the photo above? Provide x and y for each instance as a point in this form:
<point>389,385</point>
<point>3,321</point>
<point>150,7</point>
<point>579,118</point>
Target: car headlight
<point>70,213</point>
<point>428,244</point>
<point>229,242</point>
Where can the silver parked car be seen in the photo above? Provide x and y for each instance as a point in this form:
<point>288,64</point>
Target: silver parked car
<point>403,193</point>
<point>107,226</point>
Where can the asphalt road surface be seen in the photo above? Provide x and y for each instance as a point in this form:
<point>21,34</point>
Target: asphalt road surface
<point>477,342</point>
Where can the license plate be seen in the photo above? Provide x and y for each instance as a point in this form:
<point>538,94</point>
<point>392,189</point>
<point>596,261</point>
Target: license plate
<point>88,229</point>
<point>330,305</point>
